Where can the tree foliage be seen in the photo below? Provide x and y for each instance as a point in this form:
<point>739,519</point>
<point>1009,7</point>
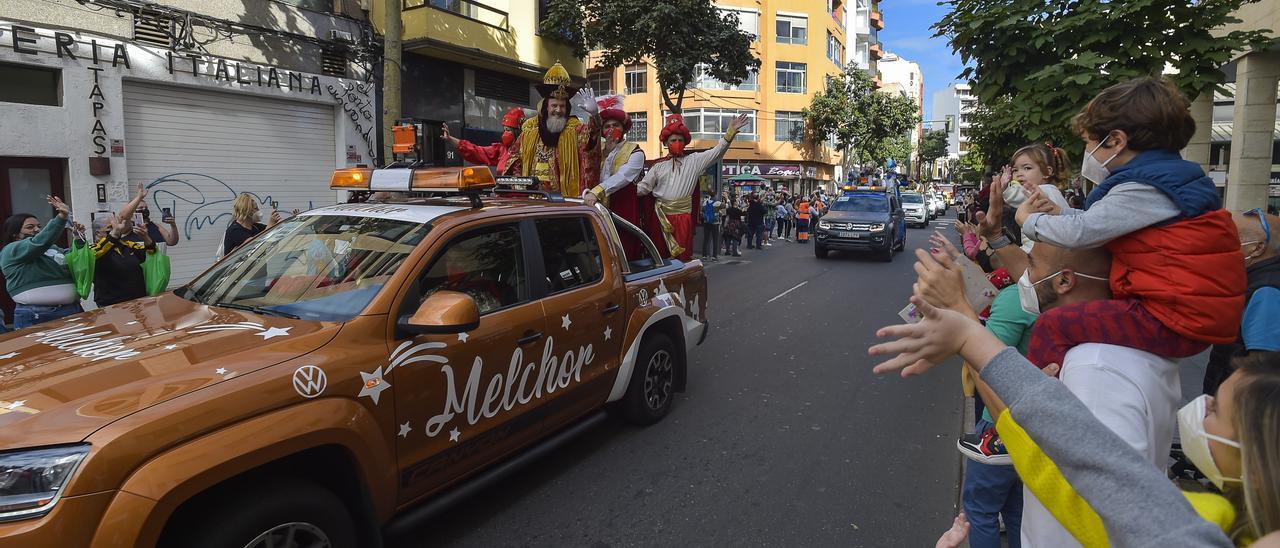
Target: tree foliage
<point>1036,63</point>
<point>933,145</point>
<point>861,121</point>
<point>681,37</point>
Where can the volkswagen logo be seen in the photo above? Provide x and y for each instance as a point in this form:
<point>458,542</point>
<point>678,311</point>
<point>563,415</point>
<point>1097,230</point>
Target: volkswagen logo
<point>309,381</point>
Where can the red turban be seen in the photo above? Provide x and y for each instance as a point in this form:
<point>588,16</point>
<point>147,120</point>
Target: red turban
<point>513,117</point>
<point>675,126</point>
<point>617,115</point>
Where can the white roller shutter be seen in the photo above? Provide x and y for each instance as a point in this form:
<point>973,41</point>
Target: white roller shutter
<point>197,150</point>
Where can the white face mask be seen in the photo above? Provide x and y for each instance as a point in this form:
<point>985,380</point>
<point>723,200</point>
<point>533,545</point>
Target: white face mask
<point>1195,441</point>
<point>1027,296</point>
<point>1093,170</point>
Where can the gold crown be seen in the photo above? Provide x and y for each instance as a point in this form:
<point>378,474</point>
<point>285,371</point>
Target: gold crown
<point>556,83</point>
<point>556,75</point>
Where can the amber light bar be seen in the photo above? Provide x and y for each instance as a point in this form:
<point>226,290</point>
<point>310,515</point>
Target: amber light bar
<point>351,178</point>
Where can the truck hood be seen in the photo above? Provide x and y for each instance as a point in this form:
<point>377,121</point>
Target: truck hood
<point>857,216</point>
<point>64,379</point>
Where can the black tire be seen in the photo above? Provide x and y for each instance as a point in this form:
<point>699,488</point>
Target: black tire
<point>653,380</point>
<point>886,254</point>
<point>820,251</point>
<point>245,513</point>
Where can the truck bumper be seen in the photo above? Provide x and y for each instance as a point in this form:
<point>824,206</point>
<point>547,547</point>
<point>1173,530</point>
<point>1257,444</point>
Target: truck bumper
<point>872,241</point>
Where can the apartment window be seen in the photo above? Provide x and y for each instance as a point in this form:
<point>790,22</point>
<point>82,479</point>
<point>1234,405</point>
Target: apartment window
<point>30,85</point>
<point>790,77</point>
<point>706,81</point>
<point>712,123</point>
<point>639,132</point>
<point>601,82</point>
<point>748,20</point>
<point>637,79</point>
<point>834,49</point>
<point>793,29</point>
<point>788,126</point>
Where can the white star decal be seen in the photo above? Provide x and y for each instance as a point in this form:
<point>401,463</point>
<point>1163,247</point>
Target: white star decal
<point>564,321</point>
<point>608,333</point>
<point>274,332</point>
<point>7,356</point>
<point>16,404</point>
<point>171,347</point>
<point>373,385</point>
<point>404,430</point>
<point>132,323</point>
<point>462,337</point>
<point>220,371</point>
<point>453,435</point>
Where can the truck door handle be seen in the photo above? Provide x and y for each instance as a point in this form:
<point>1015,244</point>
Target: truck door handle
<point>532,336</point>
<point>611,309</point>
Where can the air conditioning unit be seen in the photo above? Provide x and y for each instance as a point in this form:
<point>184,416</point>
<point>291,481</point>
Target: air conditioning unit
<point>341,36</point>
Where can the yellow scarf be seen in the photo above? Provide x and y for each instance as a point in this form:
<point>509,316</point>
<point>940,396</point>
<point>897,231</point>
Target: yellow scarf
<point>566,160</point>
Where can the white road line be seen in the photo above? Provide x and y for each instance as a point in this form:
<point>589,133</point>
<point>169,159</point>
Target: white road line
<point>784,293</point>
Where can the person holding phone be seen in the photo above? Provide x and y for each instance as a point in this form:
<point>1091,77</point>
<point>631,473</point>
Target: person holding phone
<point>158,234</point>
<point>246,222</point>
<point>121,248</point>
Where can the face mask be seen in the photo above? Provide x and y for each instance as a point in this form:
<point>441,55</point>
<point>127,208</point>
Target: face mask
<point>613,134</point>
<point>257,216</point>
<point>1027,296</point>
<point>1093,170</point>
<point>508,138</point>
<point>1195,441</point>
<point>677,148</point>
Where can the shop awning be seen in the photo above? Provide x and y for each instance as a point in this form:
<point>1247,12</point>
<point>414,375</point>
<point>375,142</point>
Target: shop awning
<point>741,180</point>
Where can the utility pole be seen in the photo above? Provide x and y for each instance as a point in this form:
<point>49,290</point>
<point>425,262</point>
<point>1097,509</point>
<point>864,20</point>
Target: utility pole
<point>391,54</point>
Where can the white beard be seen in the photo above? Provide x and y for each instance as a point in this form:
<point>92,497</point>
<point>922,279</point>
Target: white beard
<point>555,124</point>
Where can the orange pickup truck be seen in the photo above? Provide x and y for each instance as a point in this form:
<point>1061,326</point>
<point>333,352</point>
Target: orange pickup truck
<point>343,375</point>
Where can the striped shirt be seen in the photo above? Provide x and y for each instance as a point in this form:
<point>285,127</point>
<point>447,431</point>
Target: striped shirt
<point>674,178</point>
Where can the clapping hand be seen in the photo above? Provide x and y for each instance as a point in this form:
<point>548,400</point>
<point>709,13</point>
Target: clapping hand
<point>1006,175</point>
<point>939,281</point>
<point>941,243</point>
<point>991,224</point>
<point>1036,202</point>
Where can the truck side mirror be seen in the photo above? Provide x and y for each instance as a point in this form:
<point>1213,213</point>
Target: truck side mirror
<point>443,312</point>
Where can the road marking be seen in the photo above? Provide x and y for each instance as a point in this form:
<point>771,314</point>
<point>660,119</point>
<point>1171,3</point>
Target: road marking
<point>784,293</point>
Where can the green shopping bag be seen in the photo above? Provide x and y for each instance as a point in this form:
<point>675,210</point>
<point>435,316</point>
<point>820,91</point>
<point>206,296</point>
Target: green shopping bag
<point>81,262</point>
<point>155,271</point>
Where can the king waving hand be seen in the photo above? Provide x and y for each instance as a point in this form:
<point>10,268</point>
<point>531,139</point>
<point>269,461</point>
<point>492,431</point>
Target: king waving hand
<point>557,149</point>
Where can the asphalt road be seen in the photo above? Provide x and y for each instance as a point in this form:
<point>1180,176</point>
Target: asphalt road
<point>784,437</point>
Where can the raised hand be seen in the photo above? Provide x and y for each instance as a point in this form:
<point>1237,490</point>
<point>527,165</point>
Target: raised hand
<point>1006,175</point>
<point>991,225</point>
<point>918,347</point>
<point>939,281</point>
<point>58,205</point>
<point>589,105</point>
<point>941,243</point>
<point>738,123</point>
<point>275,218</point>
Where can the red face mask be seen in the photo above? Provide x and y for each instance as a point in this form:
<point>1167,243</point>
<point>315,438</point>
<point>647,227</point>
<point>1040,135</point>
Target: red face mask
<point>508,137</point>
<point>677,148</point>
<point>614,134</point>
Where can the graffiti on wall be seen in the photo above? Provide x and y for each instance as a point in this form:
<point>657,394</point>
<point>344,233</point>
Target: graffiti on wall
<point>199,201</point>
<point>357,104</point>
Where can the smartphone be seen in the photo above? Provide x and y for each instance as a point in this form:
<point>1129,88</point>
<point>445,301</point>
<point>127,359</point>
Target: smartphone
<point>137,219</point>
<point>275,205</point>
<point>168,213</point>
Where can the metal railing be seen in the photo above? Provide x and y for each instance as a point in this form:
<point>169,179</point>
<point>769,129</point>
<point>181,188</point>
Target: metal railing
<point>469,9</point>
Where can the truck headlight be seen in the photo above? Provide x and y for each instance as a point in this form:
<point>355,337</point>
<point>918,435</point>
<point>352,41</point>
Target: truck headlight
<point>824,225</point>
<point>876,227</point>
<point>32,480</point>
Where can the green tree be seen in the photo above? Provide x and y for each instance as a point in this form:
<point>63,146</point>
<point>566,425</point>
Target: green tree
<point>1049,57</point>
<point>933,145</point>
<point>681,37</point>
<point>858,119</point>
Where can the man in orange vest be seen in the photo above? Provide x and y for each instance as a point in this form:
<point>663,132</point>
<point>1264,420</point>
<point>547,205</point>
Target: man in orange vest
<point>802,222</point>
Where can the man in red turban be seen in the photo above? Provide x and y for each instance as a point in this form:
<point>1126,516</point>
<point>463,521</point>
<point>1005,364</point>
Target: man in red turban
<point>501,155</point>
<point>622,168</point>
<point>673,180</point>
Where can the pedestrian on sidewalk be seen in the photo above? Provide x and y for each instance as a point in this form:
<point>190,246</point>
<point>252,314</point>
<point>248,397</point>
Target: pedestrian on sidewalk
<point>710,230</point>
<point>733,230</point>
<point>755,222</point>
<point>780,218</point>
<point>35,270</point>
<point>770,220</point>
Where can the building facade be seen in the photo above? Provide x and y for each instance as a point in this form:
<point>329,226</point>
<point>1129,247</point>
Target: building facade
<point>466,63</point>
<point>904,77</point>
<point>955,103</point>
<point>199,101</point>
<point>865,49</point>
<point>1237,136</point>
<point>799,45</point>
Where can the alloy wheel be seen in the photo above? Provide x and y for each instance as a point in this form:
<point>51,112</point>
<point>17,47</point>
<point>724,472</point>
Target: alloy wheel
<point>291,535</point>
<point>658,379</point>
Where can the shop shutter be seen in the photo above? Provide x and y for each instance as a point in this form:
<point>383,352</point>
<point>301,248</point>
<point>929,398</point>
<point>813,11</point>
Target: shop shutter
<point>197,150</point>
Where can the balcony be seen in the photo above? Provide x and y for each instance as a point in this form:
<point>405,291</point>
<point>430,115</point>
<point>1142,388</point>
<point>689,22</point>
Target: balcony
<point>467,9</point>
<point>876,51</point>
<point>877,20</point>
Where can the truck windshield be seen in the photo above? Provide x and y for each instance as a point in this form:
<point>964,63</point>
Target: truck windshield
<point>318,267</point>
<point>912,199</point>
<point>870,203</point>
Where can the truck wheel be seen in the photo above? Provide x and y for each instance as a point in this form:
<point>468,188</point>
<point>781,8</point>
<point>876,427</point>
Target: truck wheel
<point>887,254</point>
<point>653,380</point>
<point>284,513</point>
<point>820,251</point>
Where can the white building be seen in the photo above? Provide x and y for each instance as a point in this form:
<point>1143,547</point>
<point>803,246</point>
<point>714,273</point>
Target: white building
<point>905,77</point>
<point>96,102</point>
<point>955,102</point>
<point>864,49</point>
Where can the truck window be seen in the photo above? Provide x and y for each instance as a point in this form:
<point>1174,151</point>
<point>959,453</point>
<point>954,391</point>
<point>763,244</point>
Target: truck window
<point>487,264</point>
<point>570,253</point>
